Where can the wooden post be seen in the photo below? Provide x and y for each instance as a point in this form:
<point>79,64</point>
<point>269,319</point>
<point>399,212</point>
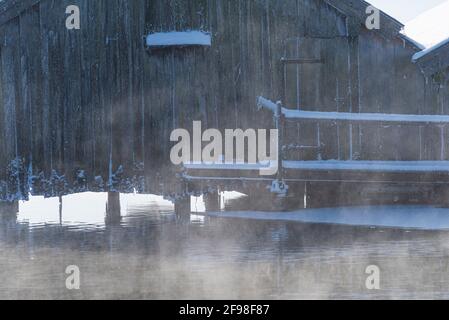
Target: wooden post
<point>183,206</point>
<point>354,95</point>
<point>280,127</point>
<point>113,211</point>
<point>9,208</point>
<point>60,209</point>
<point>212,201</point>
<point>282,79</point>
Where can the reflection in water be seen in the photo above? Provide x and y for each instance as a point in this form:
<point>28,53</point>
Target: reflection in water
<point>150,254</point>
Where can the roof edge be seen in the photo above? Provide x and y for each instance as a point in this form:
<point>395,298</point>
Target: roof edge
<point>433,49</point>
<point>357,10</point>
<point>9,9</point>
<point>413,42</point>
<point>434,59</point>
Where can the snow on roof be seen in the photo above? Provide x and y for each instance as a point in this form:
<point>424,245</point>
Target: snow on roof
<point>430,28</point>
<point>425,52</point>
<point>179,39</point>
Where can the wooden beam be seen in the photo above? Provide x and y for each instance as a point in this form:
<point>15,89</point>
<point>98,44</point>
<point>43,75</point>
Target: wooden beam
<point>302,61</point>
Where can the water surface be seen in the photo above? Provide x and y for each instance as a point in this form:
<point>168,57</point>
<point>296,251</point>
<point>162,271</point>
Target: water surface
<point>151,254</point>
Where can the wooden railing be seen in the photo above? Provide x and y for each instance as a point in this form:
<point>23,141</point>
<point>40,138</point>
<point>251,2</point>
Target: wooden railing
<point>282,114</point>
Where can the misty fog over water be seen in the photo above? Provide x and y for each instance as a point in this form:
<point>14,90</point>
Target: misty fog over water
<point>152,254</point>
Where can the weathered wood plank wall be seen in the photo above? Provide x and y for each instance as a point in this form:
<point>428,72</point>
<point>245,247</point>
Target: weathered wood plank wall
<point>91,109</point>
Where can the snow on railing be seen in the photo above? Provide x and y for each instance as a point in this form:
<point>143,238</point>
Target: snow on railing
<point>354,117</point>
<point>267,104</point>
<point>371,166</point>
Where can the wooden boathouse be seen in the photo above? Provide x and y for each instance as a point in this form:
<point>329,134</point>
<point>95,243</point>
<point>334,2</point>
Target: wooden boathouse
<point>92,109</point>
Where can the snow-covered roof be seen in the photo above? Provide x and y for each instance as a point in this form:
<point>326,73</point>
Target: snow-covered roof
<point>425,52</point>
<point>179,39</point>
<point>431,28</point>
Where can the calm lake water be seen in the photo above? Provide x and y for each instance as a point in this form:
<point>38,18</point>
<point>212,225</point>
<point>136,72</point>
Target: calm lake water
<point>150,254</point>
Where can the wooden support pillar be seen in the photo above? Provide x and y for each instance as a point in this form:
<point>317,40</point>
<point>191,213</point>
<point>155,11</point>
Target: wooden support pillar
<point>212,201</point>
<point>299,197</point>
<point>9,208</point>
<point>308,195</point>
<point>9,211</point>
<point>279,203</point>
<point>280,126</point>
<point>60,209</point>
<point>353,148</point>
<point>183,206</point>
<point>113,211</point>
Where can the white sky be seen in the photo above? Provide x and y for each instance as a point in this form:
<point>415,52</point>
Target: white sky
<point>405,10</point>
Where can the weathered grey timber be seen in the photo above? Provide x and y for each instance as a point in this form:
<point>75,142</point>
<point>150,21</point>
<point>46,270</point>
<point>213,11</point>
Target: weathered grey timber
<point>93,109</point>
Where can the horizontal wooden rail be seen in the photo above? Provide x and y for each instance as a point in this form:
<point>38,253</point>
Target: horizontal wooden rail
<point>302,61</point>
<point>335,165</point>
<point>355,117</point>
<point>370,166</point>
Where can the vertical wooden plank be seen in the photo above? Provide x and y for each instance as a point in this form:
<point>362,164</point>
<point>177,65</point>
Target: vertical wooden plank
<point>100,82</point>
<point>88,92</point>
<point>32,128</point>
<point>47,134</point>
<point>52,33</point>
<point>124,110</point>
<point>11,106</point>
<point>137,30</point>
<point>25,124</point>
<point>112,89</point>
<point>3,142</point>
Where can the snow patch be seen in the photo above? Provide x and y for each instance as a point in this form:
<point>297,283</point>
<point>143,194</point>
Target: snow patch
<point>180,39</point>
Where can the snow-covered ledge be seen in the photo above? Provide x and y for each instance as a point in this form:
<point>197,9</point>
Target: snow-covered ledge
<point>434,61</point>
<point>178,39</point>
<point>430,50</point>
